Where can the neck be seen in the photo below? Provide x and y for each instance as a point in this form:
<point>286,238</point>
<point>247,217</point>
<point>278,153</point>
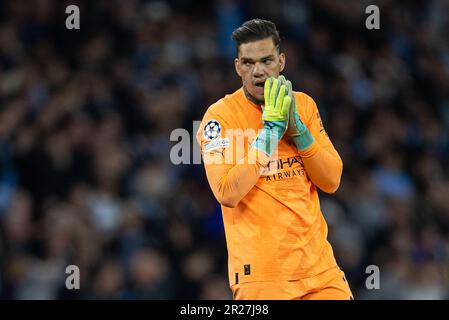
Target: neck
<point>251,98</point>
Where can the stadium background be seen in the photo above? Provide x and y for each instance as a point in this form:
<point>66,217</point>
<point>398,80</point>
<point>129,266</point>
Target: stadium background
<point>86,115</point>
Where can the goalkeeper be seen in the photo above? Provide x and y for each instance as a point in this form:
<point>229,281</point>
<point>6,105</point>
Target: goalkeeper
<point>267,182</point>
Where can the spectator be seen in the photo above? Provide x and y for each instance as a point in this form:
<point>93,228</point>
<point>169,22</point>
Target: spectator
<point>86,116</point>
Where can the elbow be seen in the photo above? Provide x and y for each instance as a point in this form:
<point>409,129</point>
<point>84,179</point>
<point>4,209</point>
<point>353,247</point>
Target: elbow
<point>228,202</point>
<point>333,183</point>
<point>332,187</point>
<point>227,197</point>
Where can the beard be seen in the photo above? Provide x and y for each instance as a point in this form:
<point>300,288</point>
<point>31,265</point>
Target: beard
<point>251,97</point>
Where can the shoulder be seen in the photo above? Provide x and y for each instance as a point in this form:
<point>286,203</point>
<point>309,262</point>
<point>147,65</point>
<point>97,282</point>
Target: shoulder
<point>305,99</point>
<point>219,115</point>
<point>224,109</point>
<point>307,107</point>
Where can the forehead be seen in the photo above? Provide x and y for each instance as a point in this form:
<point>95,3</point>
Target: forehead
<point>257,49</point>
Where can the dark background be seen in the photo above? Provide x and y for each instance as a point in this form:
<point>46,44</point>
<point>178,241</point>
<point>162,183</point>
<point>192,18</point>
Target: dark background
<point>86,116</point>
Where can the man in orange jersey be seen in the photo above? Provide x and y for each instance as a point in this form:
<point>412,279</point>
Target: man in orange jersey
<point>265,153</point>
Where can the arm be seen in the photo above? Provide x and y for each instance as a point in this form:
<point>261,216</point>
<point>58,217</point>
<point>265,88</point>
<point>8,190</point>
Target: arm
<point>323,167</point>
<point>321,161</point>
<point>230,183</point>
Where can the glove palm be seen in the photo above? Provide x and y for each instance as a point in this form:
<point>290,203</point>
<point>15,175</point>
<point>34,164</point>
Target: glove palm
<point>275,116</point>
<point>297,130</point>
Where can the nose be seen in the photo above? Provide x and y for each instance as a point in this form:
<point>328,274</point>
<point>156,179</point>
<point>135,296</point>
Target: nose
<point>258,70</point>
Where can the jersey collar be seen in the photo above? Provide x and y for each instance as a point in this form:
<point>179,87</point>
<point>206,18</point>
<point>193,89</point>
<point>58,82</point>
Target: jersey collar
<point>251,99</point>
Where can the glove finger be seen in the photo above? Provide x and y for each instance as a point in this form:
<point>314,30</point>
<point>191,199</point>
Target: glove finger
<point>280,99</point>
<point>286,106</point>
<point>289,87</point>
<point>289,92</point>
<point>267,88</point>
<point>274,92</point>
<point>282,79</point>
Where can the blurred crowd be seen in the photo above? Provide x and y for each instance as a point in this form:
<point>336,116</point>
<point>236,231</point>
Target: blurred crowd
<point>85,122</point>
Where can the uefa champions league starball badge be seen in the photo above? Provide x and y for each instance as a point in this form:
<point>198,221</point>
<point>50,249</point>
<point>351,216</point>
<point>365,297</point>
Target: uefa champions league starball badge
<point>212,129</point>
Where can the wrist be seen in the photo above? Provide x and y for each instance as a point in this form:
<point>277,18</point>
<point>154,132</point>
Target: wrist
<point>303,140</point>
<point>268,139</point>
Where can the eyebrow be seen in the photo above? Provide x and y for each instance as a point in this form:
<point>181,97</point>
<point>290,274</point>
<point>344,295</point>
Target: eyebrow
<point>263,58</point>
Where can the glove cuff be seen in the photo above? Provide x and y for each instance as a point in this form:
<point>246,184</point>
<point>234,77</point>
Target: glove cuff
<point>304,140</point>
<point>267,140</point>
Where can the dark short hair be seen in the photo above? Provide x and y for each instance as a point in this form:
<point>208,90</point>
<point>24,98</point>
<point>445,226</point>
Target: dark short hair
<point>256,29</point>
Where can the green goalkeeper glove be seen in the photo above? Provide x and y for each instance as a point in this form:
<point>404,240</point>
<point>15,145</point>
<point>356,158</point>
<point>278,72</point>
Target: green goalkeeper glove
<point>275,116</point>
<point>296,129</point>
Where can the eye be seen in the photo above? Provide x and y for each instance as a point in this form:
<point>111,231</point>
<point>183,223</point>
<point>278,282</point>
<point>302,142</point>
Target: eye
<point>267,61</point>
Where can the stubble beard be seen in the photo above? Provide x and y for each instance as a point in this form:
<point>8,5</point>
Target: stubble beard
<point>252,98</point>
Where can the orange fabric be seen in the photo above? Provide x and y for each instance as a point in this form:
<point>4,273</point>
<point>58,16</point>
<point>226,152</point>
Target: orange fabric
<point>273,223</point>
<point>330,285</point>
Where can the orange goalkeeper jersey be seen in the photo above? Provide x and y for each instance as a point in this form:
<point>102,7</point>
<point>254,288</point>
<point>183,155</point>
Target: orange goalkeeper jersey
<point>271,212</point>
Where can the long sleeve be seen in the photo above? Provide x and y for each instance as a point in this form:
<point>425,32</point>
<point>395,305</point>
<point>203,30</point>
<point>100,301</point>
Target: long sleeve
<point>230,183</point>
<point>321,161</point>
<point>230,175</point>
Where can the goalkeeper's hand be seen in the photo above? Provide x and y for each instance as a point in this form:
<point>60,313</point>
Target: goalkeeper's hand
<point>296,128</point>
<point>275,115</point>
